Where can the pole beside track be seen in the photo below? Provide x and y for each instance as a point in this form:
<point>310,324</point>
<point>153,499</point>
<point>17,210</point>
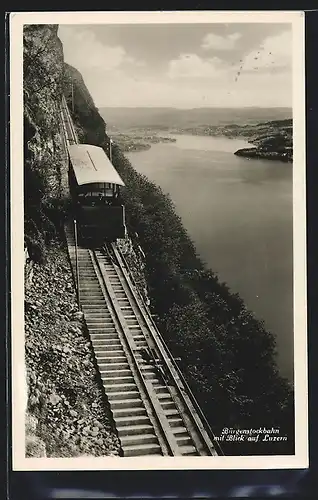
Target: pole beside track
<point>76,265</point>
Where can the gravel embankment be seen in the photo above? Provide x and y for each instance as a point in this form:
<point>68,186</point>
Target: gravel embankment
<point>67,415</point>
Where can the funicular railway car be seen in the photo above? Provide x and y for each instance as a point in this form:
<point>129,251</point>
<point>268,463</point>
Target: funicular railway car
<point>95,188</point>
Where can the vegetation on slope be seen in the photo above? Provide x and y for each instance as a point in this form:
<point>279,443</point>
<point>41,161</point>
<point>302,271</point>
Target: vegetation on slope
<point>226,354</point>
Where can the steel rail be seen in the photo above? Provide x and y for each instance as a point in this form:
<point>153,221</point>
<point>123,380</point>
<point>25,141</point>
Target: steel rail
<point>169,360</point>
<point>161,419</point>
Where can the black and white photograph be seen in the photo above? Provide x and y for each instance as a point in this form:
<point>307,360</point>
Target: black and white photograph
<point>158,222</point>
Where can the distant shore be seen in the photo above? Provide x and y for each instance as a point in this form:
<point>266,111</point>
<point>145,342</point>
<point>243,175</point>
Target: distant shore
<point>285,156</point>
<point>269,140</point>
<point>140,140</point>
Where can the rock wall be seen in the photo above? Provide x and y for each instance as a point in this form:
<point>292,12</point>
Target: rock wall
<point>44,179</point>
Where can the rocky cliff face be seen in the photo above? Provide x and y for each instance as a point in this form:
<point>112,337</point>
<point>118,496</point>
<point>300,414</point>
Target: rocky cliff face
<point>43,71</point>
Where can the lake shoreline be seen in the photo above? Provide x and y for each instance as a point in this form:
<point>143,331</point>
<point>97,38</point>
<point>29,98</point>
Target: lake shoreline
<point>257,153</point>
<point>249,209</point>
<point>131,143</point>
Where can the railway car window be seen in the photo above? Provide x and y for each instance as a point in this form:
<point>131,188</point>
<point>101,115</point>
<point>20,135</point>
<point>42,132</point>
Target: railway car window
<point>98,193</point>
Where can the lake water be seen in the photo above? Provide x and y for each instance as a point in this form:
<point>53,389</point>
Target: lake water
<point>238,212</point>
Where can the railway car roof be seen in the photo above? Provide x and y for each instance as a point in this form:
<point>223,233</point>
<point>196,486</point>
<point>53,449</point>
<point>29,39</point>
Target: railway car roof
<point>91,165</point>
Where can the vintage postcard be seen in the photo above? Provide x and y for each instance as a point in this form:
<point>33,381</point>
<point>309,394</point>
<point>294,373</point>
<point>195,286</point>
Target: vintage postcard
<point>158,240</point>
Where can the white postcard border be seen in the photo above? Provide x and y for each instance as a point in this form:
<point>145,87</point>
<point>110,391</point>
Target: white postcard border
<point>20,462</point>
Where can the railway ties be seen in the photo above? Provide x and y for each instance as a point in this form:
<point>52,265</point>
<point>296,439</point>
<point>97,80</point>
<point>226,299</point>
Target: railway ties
<point>136,328</point>
<point>135,430</point>
<point>141,395</point>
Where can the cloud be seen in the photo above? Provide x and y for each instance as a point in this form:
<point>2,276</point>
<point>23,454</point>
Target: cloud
<point>234,36</point>
<point>119,89</point>
<point>193,66</point>
<point>83,50</point>
<point>212,41</point>
<point>115,78</point>
<point>261,89</point>
<point>275,53</point>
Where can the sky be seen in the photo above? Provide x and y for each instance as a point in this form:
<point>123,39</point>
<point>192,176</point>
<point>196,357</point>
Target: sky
<point>183,65</point>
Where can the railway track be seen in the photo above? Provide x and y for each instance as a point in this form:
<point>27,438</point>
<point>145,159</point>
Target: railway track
<point>152,411</point>
<point>152,407</point>
<point>69,131</point>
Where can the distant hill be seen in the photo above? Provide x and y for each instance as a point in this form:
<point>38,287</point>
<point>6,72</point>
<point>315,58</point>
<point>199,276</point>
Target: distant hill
<point>272,140</point>
<point>166,118</point>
